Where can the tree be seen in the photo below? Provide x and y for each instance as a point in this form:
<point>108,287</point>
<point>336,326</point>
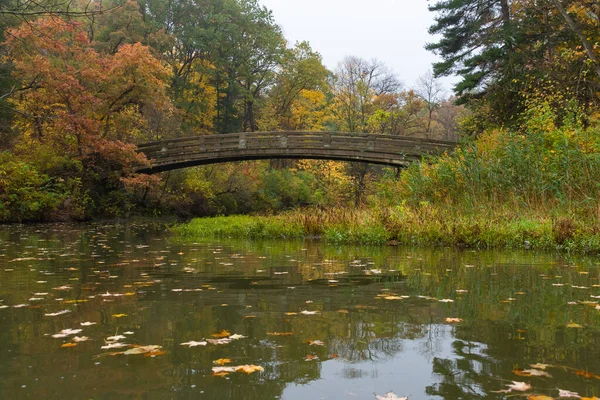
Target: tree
<point>302,73</point>
<point>430,90</point>
<point>357,84</point>
<point>79,102</point>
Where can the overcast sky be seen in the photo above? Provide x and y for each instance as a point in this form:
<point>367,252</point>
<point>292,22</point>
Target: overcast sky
<point>392,31</point>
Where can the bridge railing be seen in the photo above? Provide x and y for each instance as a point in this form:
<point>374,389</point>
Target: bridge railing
<point>180,149</point>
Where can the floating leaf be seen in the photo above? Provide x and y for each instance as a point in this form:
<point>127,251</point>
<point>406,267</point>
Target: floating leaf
<point>539,397</point>
<point>390,396</point>
<point>66,345</point>
<point>222,361</point>
<point>316,343</point>
<point>248,369</point>
<point>453,320</point>
<point>279,333</point>
<point>221,334</point>
<point>119,315</point>
<point>567,393</point>
<point>531,372</point>
<point>193,343</point>
<point>142,350</point>
<point>306,312</point>
<point>574,325</point>
<point>219,341</point>
<point>539,366</point>
<point>236,336</point>
<point>519,386</point>
<point>57,313</point>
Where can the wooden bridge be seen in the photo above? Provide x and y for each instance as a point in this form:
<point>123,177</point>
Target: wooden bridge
<point>396,151</point>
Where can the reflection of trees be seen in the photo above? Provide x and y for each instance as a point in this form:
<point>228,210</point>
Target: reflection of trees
<point>496,336</point>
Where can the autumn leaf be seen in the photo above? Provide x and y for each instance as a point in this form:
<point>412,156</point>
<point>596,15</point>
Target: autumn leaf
<point>222,361</point>
<point>539,397</point>
<point>519,386</point>
<point>221,334</point>
<point>453,320</point>
<point>119,315</point>
<point>567,393</point>
<point>193,343</point>
<point>316,343</point>
<point>574,325</point>
<point>531,372</point>
<point>279,333</point>
<point>390,396</point>
<point>66,345</point>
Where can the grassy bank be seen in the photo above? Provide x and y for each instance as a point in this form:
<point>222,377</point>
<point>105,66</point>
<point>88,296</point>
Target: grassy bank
<point>533,186</point>
<point>420,225</point>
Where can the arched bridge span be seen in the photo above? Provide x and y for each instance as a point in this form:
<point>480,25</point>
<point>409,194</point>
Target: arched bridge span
<point>390,150</point>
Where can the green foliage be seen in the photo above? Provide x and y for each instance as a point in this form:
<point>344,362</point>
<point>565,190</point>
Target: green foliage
<point>27,194</point>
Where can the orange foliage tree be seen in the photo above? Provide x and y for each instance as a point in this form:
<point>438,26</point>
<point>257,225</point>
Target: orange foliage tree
<point>81,103</point>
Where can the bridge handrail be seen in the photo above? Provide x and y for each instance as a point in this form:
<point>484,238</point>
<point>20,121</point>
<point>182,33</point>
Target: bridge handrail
<point>300,134</point>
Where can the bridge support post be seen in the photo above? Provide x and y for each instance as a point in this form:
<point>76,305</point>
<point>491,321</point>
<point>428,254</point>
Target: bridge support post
<point>243,144</point>
<point>327,140</point>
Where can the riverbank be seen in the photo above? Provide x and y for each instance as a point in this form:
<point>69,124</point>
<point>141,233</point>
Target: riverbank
<point>404,225</point>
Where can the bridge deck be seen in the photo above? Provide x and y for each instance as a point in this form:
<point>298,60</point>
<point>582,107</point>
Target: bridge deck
<point>372,148</point>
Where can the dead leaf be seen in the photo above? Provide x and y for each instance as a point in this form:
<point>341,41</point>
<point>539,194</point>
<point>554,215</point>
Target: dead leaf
<point>66,345</point>
<point>316,343</point>
<point>567,393</point>
<point>574,325</point>
<point>119,315</point>
<point>519,386</point>
<point>390,396</point>
<point>531,372</point>
<point>193,343</point>
<point>279,333</point>
<point>222,334</point>
<point>539,397</point>
<point>453,320</point>
<point>222,361</point>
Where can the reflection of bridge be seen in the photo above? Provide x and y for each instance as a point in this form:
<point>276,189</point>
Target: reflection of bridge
<point>391,150</point>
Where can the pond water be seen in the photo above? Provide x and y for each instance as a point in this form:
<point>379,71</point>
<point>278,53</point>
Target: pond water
<point>126,311</point>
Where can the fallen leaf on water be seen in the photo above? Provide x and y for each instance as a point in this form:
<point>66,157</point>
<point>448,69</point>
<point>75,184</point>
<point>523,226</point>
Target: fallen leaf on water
<point>567,393</point>
<point>390,396</point>
<point>519,386</point>
<point>66,332</point>
<point>446,301</point>
<point>311,357</point>
<point>279,333</point>
<point>115,338</point>
<point>316,343</point>
<point>453,320</point>
<point>142,350</point>
<point>574,325</point>
<point>585,374</point>
<point>394,298</point>
<point>222,361</point>
<point>539,366</point>
<point>115,345</point>
<point>531,372</point>
<point>291,313</point>
<point>236,336</point>
<point>119,315</point>
<point>589,398</point>
<point>88,323</point>
<point>539,397</point>
<point>220,373</point>
<point>219,341</point>
<point>193,343</point>
<point>55,314</point>
<point>306,312</point>
<point>78,339</point>
<point>248,369</point>
<point>65,345</point>
<point>221,334</point>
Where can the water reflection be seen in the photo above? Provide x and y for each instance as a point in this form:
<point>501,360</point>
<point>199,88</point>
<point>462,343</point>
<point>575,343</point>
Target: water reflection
<point>327,322</point>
